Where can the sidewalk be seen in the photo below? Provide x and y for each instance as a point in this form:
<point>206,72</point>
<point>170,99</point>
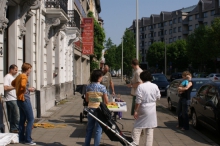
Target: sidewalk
<point>166,134</point>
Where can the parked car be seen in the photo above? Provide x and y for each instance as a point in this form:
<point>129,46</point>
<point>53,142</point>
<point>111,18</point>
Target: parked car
<point>176,75</point>
<point>214,76</point>
<point>161,81</point>
<point>201,75</point>
<point>172,91</point>
<point>113,73</point>
<point>205,107</point>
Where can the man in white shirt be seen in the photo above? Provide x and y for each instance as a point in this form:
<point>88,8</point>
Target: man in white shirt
<point>11,99</point>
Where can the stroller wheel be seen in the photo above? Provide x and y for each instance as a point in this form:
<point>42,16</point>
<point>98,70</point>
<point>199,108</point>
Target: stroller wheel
<point>81,117</point>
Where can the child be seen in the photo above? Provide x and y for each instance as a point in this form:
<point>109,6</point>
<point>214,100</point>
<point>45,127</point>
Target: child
<point>185,82</point>
<point>118,113</point>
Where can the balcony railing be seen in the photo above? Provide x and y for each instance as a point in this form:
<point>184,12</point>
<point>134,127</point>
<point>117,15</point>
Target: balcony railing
<point>60,4</point>
<point>71,22</point>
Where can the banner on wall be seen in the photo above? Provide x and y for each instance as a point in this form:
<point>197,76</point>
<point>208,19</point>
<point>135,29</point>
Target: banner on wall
<point>88,36</point>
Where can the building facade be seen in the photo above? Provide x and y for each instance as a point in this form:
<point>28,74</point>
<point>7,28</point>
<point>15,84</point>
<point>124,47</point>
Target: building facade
<point>170,26</point>
<point>46,34</point>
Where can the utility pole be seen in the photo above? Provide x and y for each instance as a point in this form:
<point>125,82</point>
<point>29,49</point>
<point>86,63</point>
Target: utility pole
<point>165,56</point>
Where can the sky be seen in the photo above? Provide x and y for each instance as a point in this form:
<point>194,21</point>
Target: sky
<point>119,14</point>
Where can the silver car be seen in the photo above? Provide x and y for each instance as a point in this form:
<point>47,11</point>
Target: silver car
<point>214,76</point>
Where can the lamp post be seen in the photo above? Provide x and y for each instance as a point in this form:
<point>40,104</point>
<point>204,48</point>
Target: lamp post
<point>137,33</point>
<point>122,59</point>
<point>165,56</point>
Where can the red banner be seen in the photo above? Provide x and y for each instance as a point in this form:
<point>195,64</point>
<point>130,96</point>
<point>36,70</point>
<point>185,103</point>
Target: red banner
<point>88,36</point>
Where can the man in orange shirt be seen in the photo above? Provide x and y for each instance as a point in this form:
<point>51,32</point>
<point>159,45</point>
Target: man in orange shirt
<point>23,90</point>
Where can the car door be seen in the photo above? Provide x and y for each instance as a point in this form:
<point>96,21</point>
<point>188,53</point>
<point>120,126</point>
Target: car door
<point>174,92</point>
<point>210,108</point>
<point>199,102</point>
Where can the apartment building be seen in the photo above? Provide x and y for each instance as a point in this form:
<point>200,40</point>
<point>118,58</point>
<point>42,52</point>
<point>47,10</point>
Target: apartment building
<point>170,26</point>
<point>46,34</point>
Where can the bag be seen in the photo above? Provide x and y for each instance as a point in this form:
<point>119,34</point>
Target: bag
<point>133,105</point>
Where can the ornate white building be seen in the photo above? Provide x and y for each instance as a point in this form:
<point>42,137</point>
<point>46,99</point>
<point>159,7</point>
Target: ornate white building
<point>46,34</point>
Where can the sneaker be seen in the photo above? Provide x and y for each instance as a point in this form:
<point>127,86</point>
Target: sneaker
<point>30,143</point>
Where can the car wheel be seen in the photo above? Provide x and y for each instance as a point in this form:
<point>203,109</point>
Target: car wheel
<point>194,119</point>
<point>170,105</point>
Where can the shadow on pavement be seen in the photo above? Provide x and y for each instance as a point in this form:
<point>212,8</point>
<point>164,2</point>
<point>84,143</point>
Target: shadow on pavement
<point>50,144</point>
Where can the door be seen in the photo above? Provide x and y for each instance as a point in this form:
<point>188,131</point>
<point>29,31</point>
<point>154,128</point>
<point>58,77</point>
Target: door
<point>210,108</point>
<point>199,102</point>
<point>174,92</point>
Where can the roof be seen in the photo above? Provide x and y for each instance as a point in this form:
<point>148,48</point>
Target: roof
<point>188,9</point>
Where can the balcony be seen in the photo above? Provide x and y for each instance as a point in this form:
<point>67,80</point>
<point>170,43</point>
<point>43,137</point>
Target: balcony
<point>185,32</point>
<point>57,9</point>
<point>71,22</point>
<point>185,22</point>
<point>200,20</point>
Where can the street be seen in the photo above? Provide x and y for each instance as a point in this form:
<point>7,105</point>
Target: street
<point>68,130</point>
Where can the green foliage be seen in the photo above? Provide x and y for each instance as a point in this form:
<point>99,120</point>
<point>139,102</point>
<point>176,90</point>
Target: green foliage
<point>99,37</point>
<point>93,65</point>
<point>215,34</point>
<point>129,51</point>
<point>110,54</point>
<point>155,55</point>
<point>176,54</point>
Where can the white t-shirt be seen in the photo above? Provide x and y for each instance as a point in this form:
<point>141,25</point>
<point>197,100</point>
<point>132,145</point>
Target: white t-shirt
<point>10,95</point>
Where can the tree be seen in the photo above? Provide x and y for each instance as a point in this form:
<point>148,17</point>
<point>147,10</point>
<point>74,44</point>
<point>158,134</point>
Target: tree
<point>99,38</point>
<point>176,54</point>
<point>129,51</point>
<point>200,48</point>
<point>155,55</point>
<point>110,53</point>
<point>215,34</point>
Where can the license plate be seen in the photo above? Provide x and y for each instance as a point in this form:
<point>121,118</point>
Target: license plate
<point>162,90</point>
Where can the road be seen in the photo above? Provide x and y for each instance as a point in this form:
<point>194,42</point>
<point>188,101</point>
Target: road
<point>205,131</point>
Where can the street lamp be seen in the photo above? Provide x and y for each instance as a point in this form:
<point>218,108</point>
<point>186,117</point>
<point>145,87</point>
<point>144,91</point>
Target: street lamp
<point>137,33</point>
<point>165,56</point>
<point>122,59</point>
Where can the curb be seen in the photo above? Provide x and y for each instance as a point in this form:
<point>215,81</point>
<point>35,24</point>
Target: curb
<point>193,129</point>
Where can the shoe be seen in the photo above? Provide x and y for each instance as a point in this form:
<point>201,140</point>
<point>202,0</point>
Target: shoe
<point>30,143</point>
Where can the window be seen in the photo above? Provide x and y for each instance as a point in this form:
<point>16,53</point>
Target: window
<point>155,26</point>
<point>197,25</point>
<point>159,25</point>
<point>174,20</point>
<point>165,23</point>
<point>155,34</point>
<point>190,28</point>
<point>212,12</point>
<point>205,14</point>
<point>174,30</point>
<point>159,33</point>
<point>179,20</point>
<point>170,40</point>
<point>149,35</point>
<point>202,92</point>
<point>145,36</point>
<point>149,27</point>
<point>205,23</point>
<point>149,43</point>
<point>174,39</point>
<point>196,16</point>
<point>190,18</point>
<point>170,31</point>
<point>165,32</point>
<point>179,37</point>
<point>179,29</point>
<point>170,22</point>
<point>142,43</point>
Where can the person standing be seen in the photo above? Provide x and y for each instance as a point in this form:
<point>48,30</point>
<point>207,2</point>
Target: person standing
<point>184,103</point>
<point>95,93</point>
<point>135,81</point>
<point>23,90</point>
<point>11,99</point>
<point>145,114</point>
<point>107,80</point>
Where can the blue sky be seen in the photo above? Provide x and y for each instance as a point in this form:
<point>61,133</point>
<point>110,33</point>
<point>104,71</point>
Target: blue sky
<point>119,14</point>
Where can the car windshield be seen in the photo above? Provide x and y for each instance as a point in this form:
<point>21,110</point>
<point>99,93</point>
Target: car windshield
<point>217,75</point>
<point>159,78</point>
<point>197,84</point>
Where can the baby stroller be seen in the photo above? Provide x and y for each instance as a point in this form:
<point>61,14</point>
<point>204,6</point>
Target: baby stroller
<point>109,126</point>
<point>82,90</point>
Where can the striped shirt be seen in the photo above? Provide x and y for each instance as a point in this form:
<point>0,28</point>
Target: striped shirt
<point>95,92</point>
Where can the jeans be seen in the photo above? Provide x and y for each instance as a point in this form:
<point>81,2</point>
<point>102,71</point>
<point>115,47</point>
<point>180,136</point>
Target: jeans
<point>149,136</point>
<point>182,112</point>
<point>13,115</point>
<point>26,113</point>
<point>89,129</point>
